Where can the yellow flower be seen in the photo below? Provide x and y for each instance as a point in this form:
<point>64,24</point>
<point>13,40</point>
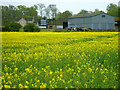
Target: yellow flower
<point>61,75</point>
<point>71,87</point>
<point>14,87</point>
<point>66,87</point>
<point>35,85</point>
<point>51,72</point>
<point>105,69</point>
<point>27,69</point>
<point>26,86</point>
<point>43,85</point>
<point>114,74</point>
<point>96,69</point>
<point>16,69</point>
<point>27,82</point>
<point>7,86</point>
<point>38,80</point>
<point>6,74</point>
<point>44,70</point>
<point>15,75</point>
<point>38,72</point>
<point>49,81</point>
<point>32,84</point>
<point>74,60</point>
<point>63,81</point>
<point>53,79</point>
<point>85,85</point>
<point>20,85</point>
<point>60,69</point>
<point>47,66</point>
<point>90,69</point>
<point>10,82</point>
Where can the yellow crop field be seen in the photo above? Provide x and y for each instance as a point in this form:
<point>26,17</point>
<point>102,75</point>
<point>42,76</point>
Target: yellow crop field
<point>60,60</point>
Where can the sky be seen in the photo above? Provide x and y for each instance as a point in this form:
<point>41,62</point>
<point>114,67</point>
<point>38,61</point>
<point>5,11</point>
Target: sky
<point>74,6</point>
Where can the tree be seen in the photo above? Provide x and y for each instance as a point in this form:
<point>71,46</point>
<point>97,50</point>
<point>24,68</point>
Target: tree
<point>12,27</point>
<point>10,13</point>
<point>54,12</point>
<point>98,11</point>
<point>111,6</point>
<point>35,7</point>
<point>30,27</point>
<point>47,12</point>
<point>20,10</point>
<point>41,6</point>
<point>112,9</point>
<point>64,15</point>
<point>83,12</point>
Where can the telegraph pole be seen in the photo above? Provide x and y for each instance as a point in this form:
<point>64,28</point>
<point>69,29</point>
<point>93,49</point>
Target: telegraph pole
<point>84,21</point>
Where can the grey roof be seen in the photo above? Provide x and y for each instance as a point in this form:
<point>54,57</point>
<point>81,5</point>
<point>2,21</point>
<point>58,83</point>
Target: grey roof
<point>17,19</point>
<point>85,15</point>
<point>27,19</point>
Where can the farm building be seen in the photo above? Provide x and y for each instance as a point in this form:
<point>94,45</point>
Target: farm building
<point>24,21</point>
<point>93,21</point>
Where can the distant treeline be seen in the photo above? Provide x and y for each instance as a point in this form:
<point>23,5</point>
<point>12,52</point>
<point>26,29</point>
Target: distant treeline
<point>12,13</point>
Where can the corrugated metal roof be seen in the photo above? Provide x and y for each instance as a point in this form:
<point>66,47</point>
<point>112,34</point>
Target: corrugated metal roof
<point>85,15</point>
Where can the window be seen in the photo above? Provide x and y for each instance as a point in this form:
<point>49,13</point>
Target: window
<point>103,16</point>
<point>22,21</point>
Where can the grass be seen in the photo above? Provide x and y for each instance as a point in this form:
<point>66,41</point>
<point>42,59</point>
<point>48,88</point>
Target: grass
<point>60,60</point>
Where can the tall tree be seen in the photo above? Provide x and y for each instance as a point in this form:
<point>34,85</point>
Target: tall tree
<point>54,12</point>
<point>41,7</point>
<point>47,12</point>
<point>112,9</point>
<point>20,11</point>
<point>35,7</point>
<point>8,14</point>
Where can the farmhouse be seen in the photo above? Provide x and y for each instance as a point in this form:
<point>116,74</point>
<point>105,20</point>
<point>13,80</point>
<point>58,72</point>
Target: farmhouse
<point>24,21</point>
<point>93,21</point>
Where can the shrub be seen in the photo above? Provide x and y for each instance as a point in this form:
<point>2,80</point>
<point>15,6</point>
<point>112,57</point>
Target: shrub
<point>12,27</point>
<point>30,27</point>
<point>36,29</point>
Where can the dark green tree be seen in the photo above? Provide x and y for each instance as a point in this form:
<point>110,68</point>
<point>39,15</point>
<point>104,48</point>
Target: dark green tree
<point>83,12</point>
<point>98,11</point>
<point>112,9</point>
<point>64,15</point>
<point>30,27</point>
<point>12,27</point>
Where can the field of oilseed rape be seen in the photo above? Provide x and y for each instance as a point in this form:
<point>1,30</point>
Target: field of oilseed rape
<point>60,60</point>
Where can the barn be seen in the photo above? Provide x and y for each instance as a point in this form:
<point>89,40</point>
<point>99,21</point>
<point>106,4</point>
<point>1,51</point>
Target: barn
<point>93,21</point>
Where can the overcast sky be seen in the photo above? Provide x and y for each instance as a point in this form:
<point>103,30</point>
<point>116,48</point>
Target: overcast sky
<point>72,5</point>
